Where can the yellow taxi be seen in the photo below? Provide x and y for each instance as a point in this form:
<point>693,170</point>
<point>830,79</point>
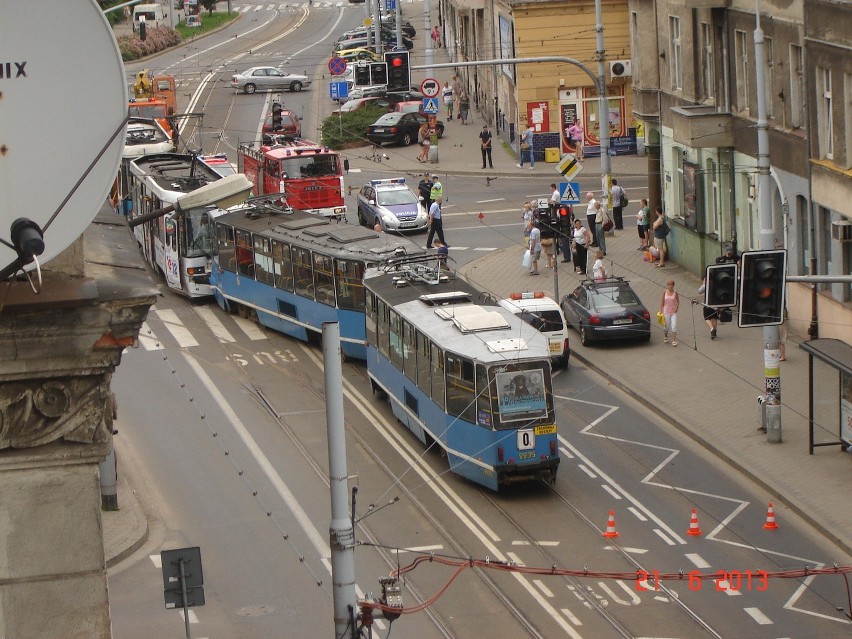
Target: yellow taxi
<point>354,55</point>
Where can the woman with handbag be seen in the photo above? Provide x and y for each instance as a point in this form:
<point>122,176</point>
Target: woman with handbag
<point>661,230</point>
<point>582,240</point>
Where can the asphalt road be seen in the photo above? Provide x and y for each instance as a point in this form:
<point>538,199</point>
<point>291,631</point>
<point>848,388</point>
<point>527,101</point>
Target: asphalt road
<point>227,448</point>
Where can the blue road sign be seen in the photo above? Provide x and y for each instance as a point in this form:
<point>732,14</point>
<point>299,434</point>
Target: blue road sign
<point>338,90</point>
<point>569,192</point>
<point>430,105</point>
<point>390,5</point>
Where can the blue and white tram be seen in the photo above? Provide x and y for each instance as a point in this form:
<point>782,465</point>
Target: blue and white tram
<point>295,270</point>
<point>472,378</point>
<point>179,247</point>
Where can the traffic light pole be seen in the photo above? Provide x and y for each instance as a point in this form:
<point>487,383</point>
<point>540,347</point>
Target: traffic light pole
<point>771,421</point>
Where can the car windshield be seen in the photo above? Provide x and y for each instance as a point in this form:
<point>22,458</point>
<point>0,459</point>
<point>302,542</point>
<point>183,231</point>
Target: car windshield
<point>544,321</point>
<point>389,118</point>
<point>409,107</point>
<point>312,166</point>
<point>614,298</point>
<point>397,196</point>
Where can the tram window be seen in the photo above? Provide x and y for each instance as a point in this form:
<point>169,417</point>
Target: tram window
<point>227,248</point>
<point>283,265</point>
<point>303,272</point>
<point>349,283</point>
<point>245,253</point>
<point>395,336</point>
<point>437,375</point>
<point>324,279</point>
<point>383,328</point>
<point>409,351</point>
<point>371,318</point>
<point>484,408</point>
<point>423,364</point>
<point>461,394</point>
<point>263,259</point>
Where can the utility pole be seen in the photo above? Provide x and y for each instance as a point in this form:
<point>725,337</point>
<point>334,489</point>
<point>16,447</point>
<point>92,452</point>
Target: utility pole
<point>428,43</point>
<point>771,423</point>
<point>341,530</point>
<point>603,106</point>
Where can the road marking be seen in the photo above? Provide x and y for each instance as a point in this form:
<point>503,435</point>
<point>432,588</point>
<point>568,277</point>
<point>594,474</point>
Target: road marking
<point>571,617</point>
<point>758,616</point>
<point>634,598</point>
<point>182,336</point>
<point>420,548</point>
<point>251,329</point>
<point>664,537</point>
<point>587,471</point>
<point>633,551</point>
<point>523,542</point>
<point>148,340</point>
<point>496,199</point>
<point>726,588</point>
<point>612,493</point>
<point>157,560</point>
<point>193,618</point>
<point>544,589</point>
<point>214,324</point>
<point>485,248</point>
<point>637,514</point>
<point>697,560</point>
<point>514,558</point>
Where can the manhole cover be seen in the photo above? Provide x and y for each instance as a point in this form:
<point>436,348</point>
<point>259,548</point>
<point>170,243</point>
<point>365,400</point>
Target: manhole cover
<point>254,611</point>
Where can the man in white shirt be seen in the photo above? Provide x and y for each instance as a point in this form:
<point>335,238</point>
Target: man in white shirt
<point>554,201</point>
<point>591,213</point>
<point>535,246</point>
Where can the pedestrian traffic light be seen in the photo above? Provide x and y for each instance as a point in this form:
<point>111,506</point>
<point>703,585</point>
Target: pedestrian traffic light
<point>277,117</point>
<point>362,75</point>
<point>720,285</point>
<point>762,286</point>
<point>378,73</point>
<point>399,71</point>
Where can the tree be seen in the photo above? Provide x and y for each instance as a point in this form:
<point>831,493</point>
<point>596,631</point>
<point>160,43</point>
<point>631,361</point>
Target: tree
<point>209,5</point>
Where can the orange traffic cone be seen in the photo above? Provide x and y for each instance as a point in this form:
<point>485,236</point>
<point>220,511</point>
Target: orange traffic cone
<point>770,518</point>
<point>694,530</point>
<point>610,526</point>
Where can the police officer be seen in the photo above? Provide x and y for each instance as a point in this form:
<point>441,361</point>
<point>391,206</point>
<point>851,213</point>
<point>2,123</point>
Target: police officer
<point>437,188</point>
<point>425,189</point>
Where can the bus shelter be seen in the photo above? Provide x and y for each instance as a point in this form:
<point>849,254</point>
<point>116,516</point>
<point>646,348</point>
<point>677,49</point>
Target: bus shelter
<point>829,393</point>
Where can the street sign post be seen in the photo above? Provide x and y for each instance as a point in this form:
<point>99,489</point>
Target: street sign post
<point>569,192</point>
<point>430,105</point>
<point>430,87</point>
<point>337,65</point>
<point>569,167</point>
<point>338,90</point>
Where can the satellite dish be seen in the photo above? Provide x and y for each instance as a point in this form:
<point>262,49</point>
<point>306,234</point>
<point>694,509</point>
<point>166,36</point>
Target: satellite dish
<point>63,99</point>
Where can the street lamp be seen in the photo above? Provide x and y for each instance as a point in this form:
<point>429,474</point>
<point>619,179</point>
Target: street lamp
<point>223,193</point>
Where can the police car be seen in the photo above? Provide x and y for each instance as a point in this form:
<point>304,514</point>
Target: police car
<point>543,314</point>
<point>391,204</point>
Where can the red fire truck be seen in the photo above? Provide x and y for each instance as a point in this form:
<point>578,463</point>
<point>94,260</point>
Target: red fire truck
<point>309,175</point>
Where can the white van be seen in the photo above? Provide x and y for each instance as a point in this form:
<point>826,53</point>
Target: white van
<point>154,15</point>
<point>541,312</point>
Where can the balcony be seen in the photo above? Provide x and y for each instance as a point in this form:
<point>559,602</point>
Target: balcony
<point>701,4</point>
<point>468,5</point>
<point>702,127</point>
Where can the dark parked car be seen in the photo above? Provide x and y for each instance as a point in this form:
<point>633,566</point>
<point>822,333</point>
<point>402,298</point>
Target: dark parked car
<point>355,42</point>
<point>607,310</point>
<point>398,128</point>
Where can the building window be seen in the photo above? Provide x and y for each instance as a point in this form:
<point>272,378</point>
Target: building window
<point>803,220</point>
<point>713,195</point>
<point>769,74</point>
<point>824,249</point>
<point>847,117</point>
<point>797,86</point>
<point>707,77</point>
<point>634,47</point>
<point>674,45</point>
<point>741,69</point>
<point>825,128</point>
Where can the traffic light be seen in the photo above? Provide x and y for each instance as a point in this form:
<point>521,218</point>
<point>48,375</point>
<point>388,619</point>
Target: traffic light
<point>762,286</point>
<point>362,75</point>
<point>720,285</point>
<point>277,118</point>
<point>379,72</point>
<point>399,71</point>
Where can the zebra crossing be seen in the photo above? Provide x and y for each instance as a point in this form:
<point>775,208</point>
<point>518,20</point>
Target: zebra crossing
<point>182,334</point>
<point>285,6</point>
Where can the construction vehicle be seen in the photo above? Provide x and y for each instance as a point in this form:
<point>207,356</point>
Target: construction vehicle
<point>154,97</point>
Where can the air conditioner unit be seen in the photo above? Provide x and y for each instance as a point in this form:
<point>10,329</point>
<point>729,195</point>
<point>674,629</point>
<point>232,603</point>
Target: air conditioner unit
<point>841,231</point>
<point>620,68</point>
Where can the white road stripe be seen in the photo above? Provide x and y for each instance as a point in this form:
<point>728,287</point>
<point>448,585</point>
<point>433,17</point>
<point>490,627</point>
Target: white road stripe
<point>586,470</point>
<point>573,619</point>
<point>697,560</point>
<point>252,330</point>
<point>157,561</point>
<point>758,616</point>
<point>547,591</point>
<point>726,588</point>
<point>193,618</point>
<point>664,537</point>
<point>215,325</point>
<point>182,336</point>
<point>634,551</point>
<point>637,514</point>
<point>485,248</point>
<point>612,493</point>
<point>148,340</point>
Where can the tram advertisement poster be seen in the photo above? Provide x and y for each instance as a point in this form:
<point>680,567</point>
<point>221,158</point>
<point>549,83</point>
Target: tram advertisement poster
<point>520,395</point>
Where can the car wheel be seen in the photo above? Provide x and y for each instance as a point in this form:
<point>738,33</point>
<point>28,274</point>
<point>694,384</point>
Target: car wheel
<point>406,139</point>
<point>585,339</point>
<point>296,86</point>
<point>249,88</point>
<point>361,219</point>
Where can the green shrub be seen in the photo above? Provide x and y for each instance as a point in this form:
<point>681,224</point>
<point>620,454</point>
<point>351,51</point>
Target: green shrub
<point>161,38</point>
<point>348,130</point>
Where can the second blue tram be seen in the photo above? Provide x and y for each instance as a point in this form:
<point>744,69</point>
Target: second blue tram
<point>294,271</point>
<point>472,378</point>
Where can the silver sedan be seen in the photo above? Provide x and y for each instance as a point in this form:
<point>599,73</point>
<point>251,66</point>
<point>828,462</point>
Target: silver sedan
<point>268,78</point>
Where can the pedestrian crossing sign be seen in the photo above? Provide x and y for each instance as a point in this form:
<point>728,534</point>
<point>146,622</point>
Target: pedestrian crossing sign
<point>430,105</point>
<point>569,192</point>
<point>569,166</point>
